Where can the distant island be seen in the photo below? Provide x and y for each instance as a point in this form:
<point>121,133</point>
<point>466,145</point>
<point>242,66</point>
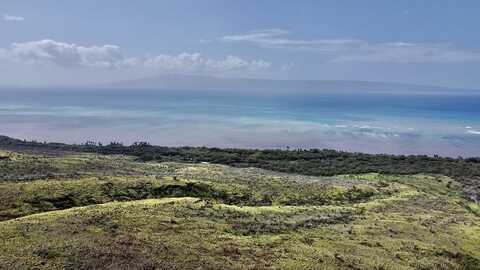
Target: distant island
<point>256,85</point>
<point>178,81</point>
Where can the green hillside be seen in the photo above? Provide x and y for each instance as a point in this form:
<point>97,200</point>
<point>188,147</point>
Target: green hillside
<point>89,211</point>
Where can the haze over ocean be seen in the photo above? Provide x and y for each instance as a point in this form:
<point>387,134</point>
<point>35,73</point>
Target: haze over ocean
<point>447,125</point>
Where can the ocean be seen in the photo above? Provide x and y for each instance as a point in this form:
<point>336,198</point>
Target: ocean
<point>447,125</point>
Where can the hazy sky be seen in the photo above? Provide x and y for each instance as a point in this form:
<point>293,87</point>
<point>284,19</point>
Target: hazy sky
<point>55,42</point>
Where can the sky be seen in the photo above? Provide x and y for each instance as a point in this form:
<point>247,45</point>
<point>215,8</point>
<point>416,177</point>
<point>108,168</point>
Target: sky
<point>49,42</point>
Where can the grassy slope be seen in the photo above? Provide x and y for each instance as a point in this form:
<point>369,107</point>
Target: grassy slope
<point>86,211</point>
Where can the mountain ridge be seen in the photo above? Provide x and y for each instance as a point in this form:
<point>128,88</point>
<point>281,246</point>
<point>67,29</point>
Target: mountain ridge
<point>191,82</point>
<point>200,82</point>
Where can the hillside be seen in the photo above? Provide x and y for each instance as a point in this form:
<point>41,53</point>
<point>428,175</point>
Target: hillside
<point>62,209</point>
<point>315,162</point>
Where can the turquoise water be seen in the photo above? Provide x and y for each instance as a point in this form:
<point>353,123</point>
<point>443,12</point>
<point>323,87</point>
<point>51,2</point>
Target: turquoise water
<point>376,123</point>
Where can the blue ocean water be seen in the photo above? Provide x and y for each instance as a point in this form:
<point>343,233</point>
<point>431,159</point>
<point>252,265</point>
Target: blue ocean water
<point>447,125</point>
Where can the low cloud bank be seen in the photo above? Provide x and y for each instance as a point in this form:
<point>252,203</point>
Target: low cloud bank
<point>70,55</point>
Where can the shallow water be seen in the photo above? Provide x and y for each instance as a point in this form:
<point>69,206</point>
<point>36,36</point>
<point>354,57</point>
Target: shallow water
<point>448,125</point>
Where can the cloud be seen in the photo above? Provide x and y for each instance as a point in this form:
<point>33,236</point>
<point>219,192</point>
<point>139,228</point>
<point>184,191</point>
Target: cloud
<point>356,50</point>
<point>11,18</point>
<point>475,132</point>
<point>232,62</point>
<point>276,38</point>
<point>288,66</point>
<point>48,51</point>
<point>70,55</point>
<point>195,62</point>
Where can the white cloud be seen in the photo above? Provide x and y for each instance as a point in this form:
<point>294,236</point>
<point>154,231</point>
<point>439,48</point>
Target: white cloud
<point>183,61</point>
<point>288,66</point>
<point>48,51</point>
<point>355,50</point>
<point>232,62</point>
<point>68,55</point>
<point>276,38</point>
<point>475,132</point>
<point>11,18</point>
<point>195,62</point>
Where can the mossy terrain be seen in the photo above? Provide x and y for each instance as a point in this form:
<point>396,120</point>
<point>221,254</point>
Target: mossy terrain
<point>89,211</point>
<point>315,162</point>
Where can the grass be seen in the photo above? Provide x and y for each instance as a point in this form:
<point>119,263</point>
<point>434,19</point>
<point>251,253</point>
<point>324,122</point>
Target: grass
<point>82,211</point>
